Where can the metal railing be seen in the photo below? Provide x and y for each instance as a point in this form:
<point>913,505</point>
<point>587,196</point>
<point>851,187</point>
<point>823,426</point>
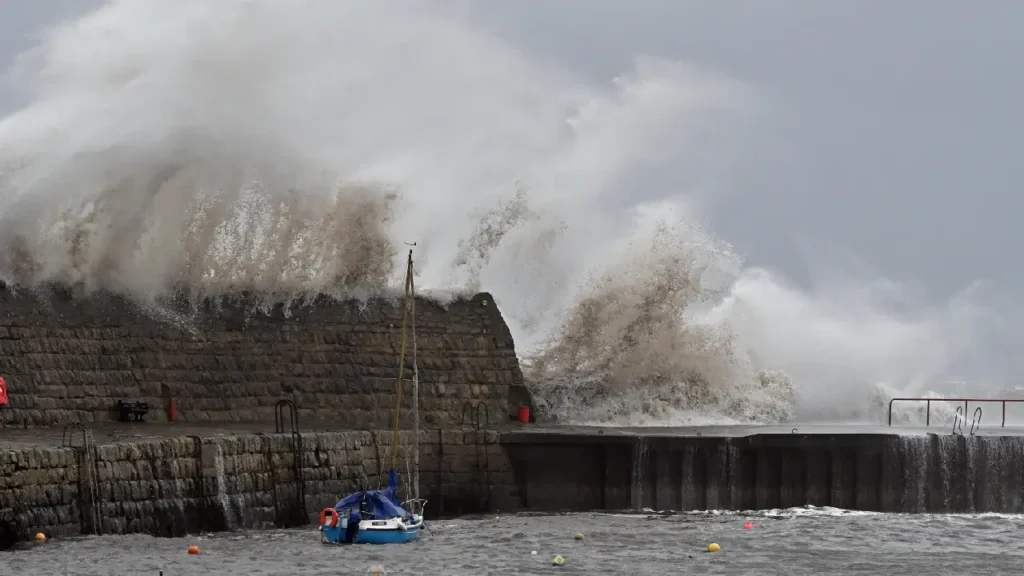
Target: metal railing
<point>966,402</point>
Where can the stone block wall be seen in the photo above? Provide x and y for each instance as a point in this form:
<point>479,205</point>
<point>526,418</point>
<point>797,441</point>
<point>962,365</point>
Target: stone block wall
<point>70,359</point>
<point>187,485</point>
<point>38,488</point>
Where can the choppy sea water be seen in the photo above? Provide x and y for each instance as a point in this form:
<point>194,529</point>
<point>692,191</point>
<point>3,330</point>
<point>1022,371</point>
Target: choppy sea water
<point>787,542</point>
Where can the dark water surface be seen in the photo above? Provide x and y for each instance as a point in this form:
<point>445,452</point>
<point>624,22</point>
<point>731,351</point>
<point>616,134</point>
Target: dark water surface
<point>787,542</point>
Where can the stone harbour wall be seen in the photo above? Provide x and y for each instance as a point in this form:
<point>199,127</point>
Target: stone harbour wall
<point>69,358</point>
<point>177,486</point>
<point>188,484</point>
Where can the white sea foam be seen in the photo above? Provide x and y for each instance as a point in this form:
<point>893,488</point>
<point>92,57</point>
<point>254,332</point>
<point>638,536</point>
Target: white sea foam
<point>288,147</point>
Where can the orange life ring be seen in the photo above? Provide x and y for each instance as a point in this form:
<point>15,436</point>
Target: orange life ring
<point>329,515</point>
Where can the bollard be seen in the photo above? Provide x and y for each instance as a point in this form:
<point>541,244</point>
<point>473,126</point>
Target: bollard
<point>524,414</point>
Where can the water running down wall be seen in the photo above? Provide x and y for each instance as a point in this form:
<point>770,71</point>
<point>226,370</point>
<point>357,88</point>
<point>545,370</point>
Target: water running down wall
<point>937,473</point>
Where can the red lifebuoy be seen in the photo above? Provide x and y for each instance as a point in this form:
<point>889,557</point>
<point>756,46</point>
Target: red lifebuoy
<point>329,518</point>
<point>3,391</point>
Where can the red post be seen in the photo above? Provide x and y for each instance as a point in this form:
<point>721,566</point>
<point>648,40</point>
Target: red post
<point>172,412</point>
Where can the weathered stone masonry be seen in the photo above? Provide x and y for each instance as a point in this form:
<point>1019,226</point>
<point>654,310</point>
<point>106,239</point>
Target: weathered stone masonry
<point>188,484</point>
<point>70,359</point>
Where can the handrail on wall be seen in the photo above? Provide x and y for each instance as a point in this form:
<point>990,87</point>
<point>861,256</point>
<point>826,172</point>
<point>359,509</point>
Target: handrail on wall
<point>966,401</point>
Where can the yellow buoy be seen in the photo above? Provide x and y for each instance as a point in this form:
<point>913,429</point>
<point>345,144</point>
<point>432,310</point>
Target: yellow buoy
<point>558,561</point>
<point>577,536</point>
<point>193,549</point>
<point>40,537</point>
<point>714,547</point>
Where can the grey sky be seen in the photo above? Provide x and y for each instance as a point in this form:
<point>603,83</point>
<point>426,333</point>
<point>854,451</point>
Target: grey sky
<point>894,132</point>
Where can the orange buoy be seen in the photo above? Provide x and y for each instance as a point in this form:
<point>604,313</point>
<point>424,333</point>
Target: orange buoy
<point>193,549</point>
<point>748,526</point>
<point>40,537</point>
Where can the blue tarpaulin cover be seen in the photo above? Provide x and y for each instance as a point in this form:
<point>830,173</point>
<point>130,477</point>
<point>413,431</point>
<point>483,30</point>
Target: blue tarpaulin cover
<point>380,503</point>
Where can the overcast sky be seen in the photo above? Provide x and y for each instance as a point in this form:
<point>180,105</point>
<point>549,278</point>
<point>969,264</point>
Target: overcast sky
<point>893,137</point>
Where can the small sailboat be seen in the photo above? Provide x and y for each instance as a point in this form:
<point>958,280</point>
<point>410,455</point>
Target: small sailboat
<point>378,516</point>
<point>372,517</point>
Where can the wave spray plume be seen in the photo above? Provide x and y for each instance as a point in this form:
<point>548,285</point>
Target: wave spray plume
<point>288,147</point>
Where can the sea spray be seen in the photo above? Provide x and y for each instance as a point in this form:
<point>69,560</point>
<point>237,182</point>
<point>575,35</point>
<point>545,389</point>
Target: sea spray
<point>287,149</point>
<point>634,350</point>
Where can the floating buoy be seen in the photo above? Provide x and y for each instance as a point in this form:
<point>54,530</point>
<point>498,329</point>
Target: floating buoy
<point>40,537</point>
<point>193,549</point>
<point>533,553</point>
<point>714,547</point>
<point>377,570</point>
<point>748,526</point>
<point>558,561</point>
<point>577,536</point>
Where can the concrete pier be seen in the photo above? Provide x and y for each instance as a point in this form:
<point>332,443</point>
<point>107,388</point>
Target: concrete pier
<point>744,468</point>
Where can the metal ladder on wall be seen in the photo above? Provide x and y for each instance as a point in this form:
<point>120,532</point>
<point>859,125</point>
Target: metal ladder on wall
<point>296,515</point>
<point>479,416</point>
<point>85,453</point>
<point>959,418</point>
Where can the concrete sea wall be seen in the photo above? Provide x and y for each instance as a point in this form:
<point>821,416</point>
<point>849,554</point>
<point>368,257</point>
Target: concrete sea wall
<point>939,473</point>
<point>182,485</point>
<point>71,359</point>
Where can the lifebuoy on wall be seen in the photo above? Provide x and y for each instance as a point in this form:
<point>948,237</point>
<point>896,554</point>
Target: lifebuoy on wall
<point>3,392</point>
<point>329,518</point>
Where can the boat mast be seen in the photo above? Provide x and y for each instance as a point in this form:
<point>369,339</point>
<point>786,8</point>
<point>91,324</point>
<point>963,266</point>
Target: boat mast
<point>415,388</point>
<point>395,438</point>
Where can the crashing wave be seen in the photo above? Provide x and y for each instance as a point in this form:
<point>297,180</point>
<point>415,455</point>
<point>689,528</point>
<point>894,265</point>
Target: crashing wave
<point>248,145</point>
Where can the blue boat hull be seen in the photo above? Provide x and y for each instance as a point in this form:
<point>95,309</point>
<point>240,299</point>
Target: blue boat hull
<point>382,520</point>
<point>394,536</point>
